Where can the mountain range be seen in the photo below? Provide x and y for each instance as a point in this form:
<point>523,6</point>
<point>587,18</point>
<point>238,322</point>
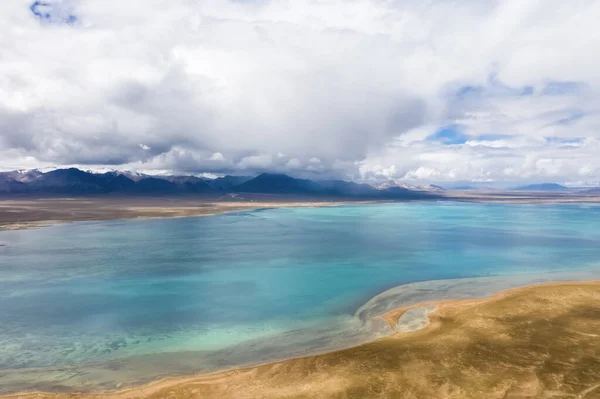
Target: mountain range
<point>75,182</point>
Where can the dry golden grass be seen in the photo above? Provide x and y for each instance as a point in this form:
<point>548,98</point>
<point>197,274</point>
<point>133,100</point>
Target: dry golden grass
<point>534,342</point>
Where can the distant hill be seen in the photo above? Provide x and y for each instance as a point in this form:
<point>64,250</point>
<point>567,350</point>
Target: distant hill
<point>226,183</point>
<point>153,185</point>
<point>191,184</point>
<point>68,181</point>
<point>75,182</point>
<point>10,185</point>
<point>341,187</point>
<point>181,179</point>
<point>543,187</point>
<point>22,176</point>
<point>114,181</point>
<point>268,183</point>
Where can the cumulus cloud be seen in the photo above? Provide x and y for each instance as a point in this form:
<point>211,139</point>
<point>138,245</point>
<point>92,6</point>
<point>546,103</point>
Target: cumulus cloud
<point>361,89</point>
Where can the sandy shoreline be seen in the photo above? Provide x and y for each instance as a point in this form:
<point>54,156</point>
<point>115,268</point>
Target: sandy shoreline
<point>27,214</point>
<point>19,214</point>
<point>537,320</point>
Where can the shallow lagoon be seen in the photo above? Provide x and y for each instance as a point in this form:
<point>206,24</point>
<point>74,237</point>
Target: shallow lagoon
<point>96,305</point>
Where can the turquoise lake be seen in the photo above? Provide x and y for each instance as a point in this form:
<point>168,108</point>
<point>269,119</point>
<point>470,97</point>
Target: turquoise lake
<point>96,305</point>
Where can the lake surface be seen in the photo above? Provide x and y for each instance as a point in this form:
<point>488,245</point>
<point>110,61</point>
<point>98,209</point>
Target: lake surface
<point>100,304</point>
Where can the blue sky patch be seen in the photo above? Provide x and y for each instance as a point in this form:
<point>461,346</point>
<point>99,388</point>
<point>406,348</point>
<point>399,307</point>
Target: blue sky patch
<point>493,87</point>
<point>564,140</point>
<point>469,90</point>
<point>51,12</point>
<point>575,116</point>
<point>452,135</point>
<point>554,88</point>
<point>449,135</point>
<point>527,91</point>
<point>493,137</point>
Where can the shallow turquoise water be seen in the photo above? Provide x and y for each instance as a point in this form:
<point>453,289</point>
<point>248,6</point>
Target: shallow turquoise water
<point>197,294</point>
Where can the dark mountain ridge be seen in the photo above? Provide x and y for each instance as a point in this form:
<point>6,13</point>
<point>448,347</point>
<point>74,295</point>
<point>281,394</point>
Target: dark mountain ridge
<point>9,185</point>
<point>269,183</point>
<point>226,183</point>
<point>75,182</point>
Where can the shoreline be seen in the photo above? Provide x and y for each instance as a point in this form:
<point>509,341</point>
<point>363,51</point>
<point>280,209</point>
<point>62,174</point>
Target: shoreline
<point>435,323</point>
<point>22,214</point>
<point>141,211</point>
<point>393,315</point>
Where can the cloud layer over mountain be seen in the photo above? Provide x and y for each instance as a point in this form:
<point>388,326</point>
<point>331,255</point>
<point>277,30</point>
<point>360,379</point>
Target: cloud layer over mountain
<point>426,90</point>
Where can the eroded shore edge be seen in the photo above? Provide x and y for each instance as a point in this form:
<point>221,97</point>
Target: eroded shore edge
<point>391,317</point>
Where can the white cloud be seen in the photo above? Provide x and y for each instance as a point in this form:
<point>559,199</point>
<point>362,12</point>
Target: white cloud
<point>217,156</point>
<point>230,86</point>
<point>256,162</point>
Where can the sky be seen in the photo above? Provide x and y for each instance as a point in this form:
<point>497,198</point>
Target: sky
<point>412,90</point>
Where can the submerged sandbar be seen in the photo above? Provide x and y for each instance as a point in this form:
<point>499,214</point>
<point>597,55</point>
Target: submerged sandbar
<point>536,341</point>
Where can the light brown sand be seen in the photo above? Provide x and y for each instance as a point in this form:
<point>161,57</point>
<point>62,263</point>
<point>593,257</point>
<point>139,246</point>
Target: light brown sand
<point>534,342</point>
<point>23,214</point>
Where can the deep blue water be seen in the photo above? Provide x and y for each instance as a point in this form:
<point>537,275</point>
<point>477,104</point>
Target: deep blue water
<point>82,293</point>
